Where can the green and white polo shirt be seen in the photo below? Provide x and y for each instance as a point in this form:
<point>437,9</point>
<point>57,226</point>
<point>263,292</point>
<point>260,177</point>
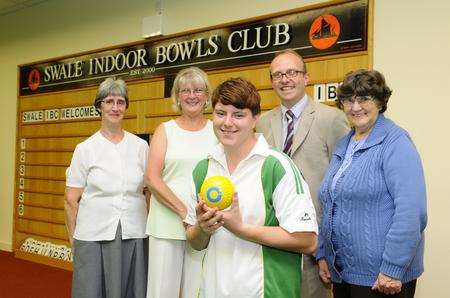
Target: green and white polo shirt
<point>272,192</point>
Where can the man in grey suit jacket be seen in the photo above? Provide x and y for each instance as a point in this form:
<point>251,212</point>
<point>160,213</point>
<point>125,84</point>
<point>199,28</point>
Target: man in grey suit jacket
<point>316,129</point>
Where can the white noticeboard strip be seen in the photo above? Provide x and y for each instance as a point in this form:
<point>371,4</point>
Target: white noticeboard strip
<point>83,112</point>
<point>32,116</point>
<point>325,92</point>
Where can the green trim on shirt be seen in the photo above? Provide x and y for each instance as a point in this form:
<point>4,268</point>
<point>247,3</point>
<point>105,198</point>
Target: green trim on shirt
<point>271,174</point>
<point>199,174</point>
<point>298,177</point>
<point>295,169</point>
<point>282,269</point>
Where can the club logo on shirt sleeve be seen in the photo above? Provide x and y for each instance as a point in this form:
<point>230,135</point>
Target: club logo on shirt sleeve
<point>305,217</point>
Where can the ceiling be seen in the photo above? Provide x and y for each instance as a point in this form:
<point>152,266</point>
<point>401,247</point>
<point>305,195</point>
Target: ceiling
<point>10,6</point>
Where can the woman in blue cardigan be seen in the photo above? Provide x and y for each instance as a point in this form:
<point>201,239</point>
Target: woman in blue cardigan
<point>373,197</point>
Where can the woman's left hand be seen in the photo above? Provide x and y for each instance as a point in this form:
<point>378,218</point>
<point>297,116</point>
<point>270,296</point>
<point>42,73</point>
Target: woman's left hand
<point>324,271</point>
<point>387,285</point>
<point>232,217</point>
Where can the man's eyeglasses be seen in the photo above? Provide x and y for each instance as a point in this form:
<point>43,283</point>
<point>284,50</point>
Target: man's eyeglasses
<point>290,74</point>
<point>109,102</point>
<point>361,100</point>
<point>196,91</point>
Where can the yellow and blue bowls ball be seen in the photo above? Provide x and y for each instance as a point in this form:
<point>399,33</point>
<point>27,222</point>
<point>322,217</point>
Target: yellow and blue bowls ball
<point>217,191</point>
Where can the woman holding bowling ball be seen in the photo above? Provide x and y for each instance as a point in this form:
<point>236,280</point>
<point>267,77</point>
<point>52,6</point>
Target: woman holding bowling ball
<point>253,248</point>
<point>176,146</point>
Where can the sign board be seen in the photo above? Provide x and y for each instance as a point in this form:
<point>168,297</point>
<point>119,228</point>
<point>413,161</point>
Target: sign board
<point>335,29</point>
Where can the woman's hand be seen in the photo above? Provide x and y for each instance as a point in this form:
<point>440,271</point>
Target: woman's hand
<point>147,194</point>
<point>71,203</point>
<point>208,219</point>
<point>232,218</point>
<point>324,272</point>
<point>387,285</point>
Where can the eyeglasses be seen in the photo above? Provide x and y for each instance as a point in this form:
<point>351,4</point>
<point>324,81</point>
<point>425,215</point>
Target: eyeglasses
<point>109,102</point>
<point>290,74</point>
<point>361,100</point>
<point>196,91</point>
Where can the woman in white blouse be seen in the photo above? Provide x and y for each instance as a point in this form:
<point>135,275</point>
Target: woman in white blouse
<point>177,145</point>
<point>105,206</point>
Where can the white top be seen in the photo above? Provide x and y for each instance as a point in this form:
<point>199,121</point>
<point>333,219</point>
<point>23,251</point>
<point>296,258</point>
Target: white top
<point>184,149</point>
<point>112,176</point>
<point>297,110</point>
<point>271,193</point>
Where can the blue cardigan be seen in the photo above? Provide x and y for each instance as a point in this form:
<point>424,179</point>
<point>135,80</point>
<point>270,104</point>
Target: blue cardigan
<point>382,212</point>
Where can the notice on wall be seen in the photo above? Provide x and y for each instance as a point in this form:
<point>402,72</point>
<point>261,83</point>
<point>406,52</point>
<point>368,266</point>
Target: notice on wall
<point>64,114</point>
<point>326,92</point>
<point>48,249</point>
<point>32,116</point>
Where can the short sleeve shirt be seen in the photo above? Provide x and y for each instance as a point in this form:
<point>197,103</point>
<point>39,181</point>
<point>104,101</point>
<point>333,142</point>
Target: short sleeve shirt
<point>112,178</point>
<point>272,192</point>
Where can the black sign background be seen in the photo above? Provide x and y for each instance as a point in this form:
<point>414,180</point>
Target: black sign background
<point>352,17</point>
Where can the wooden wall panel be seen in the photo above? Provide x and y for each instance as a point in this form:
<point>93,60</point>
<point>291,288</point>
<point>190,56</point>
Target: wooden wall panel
<point>45,186</point>
<point>53,144</point>
<point>146,90</point>
<point>58,99</point>
<point>36,199</point>
<point>259,76</point>
<point>40,228</point>
<point>43,214</point>
<point>48,158</point>
<point>151,123</point>
<point>269,99</point>
<point>159,108</point>
<point>334,69</point>
<point>47,171</point>
<point>68,129</point>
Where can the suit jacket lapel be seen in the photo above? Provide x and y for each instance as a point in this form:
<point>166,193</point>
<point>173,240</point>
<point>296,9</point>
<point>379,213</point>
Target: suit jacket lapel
<point>275,122</point>
<point>306,120</point>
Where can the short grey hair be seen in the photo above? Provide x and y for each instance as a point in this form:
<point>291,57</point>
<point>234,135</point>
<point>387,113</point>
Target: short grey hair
<point>189,75</point>
<point>111,86</point>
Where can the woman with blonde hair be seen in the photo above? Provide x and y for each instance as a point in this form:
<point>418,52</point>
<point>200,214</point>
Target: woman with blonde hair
<point>176,146</point>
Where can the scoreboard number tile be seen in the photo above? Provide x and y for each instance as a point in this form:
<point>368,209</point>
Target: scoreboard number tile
<point>22,156</point>
<point>21,209</point>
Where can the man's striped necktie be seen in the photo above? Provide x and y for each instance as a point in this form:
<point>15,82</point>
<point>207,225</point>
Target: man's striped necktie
<point>290,132</point>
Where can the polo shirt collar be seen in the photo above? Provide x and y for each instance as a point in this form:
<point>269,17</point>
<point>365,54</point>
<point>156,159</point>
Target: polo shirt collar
<point>260,148</point>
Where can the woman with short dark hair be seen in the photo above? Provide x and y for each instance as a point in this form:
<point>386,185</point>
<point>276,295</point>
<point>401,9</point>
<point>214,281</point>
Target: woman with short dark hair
<point>253,248</point>
<point>105,204</point>
<point>373,197</point>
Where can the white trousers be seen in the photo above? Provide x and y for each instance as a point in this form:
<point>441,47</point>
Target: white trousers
<point>174,269</point>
